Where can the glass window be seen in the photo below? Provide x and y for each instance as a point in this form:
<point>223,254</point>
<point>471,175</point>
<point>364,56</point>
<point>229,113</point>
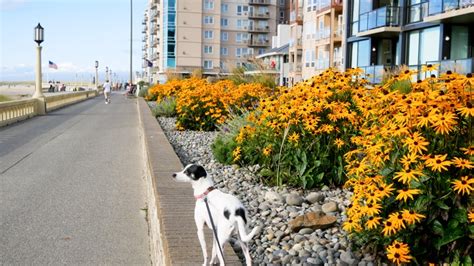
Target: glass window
<point>224,36</point>
<point>207,49</point>
<point>413,48</point>
<point>208,34</point>
<point>224,51</point>
<point>208,20</point>
<point>459,42</point>
<point>208,4</point>
<point>207,64</point>
<point>224,22</point>
<point>363,53</point>
<point>429,45</point>
<point>224,8</point>
<point>354,47</point>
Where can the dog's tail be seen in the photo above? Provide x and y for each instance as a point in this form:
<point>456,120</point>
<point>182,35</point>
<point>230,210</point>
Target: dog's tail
<point>241,225</point>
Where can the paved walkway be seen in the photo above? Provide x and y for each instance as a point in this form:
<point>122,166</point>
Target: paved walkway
<point>72,188</point>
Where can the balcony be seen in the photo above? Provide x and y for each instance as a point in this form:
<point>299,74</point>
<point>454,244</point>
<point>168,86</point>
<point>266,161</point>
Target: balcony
<point>454,11</point>
<point>259,15</point>
<point>325,5</point>
<point>374,74</point>
<point>461,66</point>
<point>258,43</point>
<point>384,21</point>
<point>259,2</point>
<point>295,67</point>
<point>259,29</point>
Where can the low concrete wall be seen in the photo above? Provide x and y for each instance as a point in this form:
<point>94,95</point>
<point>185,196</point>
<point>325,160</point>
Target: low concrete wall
<point>171,220</point>
<point>15,111</point>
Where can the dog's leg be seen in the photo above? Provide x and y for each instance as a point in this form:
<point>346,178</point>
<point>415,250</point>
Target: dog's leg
<point>223,233</point>
<point>245,250</point>
<point>214,250</point>
<point>200,232</point>
<point>202,241</point>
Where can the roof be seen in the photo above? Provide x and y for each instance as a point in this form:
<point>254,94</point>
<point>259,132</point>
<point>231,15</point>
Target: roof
<point>276,51</point>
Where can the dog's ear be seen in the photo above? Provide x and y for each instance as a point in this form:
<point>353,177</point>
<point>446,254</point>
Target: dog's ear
<point>196,172</point>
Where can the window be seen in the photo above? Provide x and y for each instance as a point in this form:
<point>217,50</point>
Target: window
<point>239,37</point>
<point>224,36</point>
<point>207,64</point>
<point>360,55</point>
<point>224,8</point>
<point>207,49</point>
<point>208,4</point>
<point>242,23</point>
<point>261,50</point>
<point>423,46</point>
<point>242,10</point>
<point>208,34</point>
<point>224,22</point>
<point>307,58</point>
<point>224,51</point>
<point>238,52</point>
<point>208,20</point>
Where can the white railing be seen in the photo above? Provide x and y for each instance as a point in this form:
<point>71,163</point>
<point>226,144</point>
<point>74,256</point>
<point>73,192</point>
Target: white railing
<point>15,111</point>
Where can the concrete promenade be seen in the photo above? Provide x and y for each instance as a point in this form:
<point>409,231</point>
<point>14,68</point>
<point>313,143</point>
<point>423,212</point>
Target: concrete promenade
<point>72,187</point>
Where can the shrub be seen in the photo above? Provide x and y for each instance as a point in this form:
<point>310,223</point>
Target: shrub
<point>165,108</point>
<point>207,106</point>
<point>299,135</point>
<point>411,172</point>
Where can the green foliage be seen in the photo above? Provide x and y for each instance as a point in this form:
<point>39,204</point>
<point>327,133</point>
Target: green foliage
<point>165,108</point>
<point>4,98</point>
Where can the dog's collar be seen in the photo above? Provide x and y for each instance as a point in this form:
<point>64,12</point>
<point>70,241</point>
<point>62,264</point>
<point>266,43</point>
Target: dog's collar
<point>203,195</point>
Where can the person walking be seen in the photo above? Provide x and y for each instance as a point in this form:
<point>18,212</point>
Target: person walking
<point>107,88</point>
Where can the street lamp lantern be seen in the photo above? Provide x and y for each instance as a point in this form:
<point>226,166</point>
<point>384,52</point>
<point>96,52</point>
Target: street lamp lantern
<point>96,64</point>
<point>96,75</point>
<point>39,34</point>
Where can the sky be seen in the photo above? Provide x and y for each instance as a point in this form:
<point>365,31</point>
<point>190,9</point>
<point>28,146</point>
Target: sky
<point>76,34</point>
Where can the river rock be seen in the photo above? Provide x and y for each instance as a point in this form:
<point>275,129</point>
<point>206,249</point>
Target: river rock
<point>313,220</point>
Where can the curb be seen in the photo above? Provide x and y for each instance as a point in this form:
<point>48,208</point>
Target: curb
<point>172,228</point>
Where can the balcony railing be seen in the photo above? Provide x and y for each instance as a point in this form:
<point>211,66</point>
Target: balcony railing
<point>259,42</point>
<point>461,66</point>
<point>259,15</point>
<point>323,33</point>
<point>374,74</point>
<point>259,28</point>
<point>381,17</point>
<point>259,2</point>
<point>417,12</point>
<point>441,6</point>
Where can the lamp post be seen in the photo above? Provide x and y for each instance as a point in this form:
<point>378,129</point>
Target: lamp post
<point>39,37</point>
<point>96,75</point>
<point>106,73</point>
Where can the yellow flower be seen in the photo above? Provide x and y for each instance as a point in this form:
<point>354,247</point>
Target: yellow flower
<point>411,216</point>
<point>438,163</point>
<point>398,252</point>
<point>389,229</point>
<point>373,222</point>
<point>468,151</point>
<point>462,163</point>
<point>470,215</point>
<point>407,175</point>
<point>467,110</point>
<point>351,225</point>
<point>404,194</point>
<point>236,153</point>
<point>338,142</point>
<point>267,150</point>
<point>463,186</point>
<point>416,143</point>
<point>294,137</point>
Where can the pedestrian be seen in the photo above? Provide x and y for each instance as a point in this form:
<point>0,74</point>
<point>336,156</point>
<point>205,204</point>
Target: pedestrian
<point>107,88</point>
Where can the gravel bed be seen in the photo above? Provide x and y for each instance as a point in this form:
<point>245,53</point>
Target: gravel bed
<point>272,208</point>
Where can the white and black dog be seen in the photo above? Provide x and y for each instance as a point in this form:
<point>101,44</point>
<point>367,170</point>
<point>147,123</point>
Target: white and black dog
<point>228,213</point>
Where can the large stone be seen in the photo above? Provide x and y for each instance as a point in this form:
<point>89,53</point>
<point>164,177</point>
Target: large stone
<point>294,199</point>
<point>313,220</point>
<point>329,207</point>
<point>273,197</point>
<point>315,197</point>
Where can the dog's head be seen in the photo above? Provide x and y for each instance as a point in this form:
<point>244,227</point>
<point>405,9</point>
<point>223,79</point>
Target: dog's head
<point>190,173</point>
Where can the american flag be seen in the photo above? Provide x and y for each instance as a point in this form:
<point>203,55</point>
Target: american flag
<point>53,65</point>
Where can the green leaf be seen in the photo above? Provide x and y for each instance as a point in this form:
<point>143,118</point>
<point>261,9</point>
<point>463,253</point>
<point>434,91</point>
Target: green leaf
<point>448,238</point>
<point>422,202</point>
<point>453,224</point>
<point>467,260</point>
<point>438,228</point>
<point>265,172</point>
<point>460,214</point>
<point>442,205</point>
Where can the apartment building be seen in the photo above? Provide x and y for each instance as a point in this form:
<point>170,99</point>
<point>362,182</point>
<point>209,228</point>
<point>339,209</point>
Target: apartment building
<point>296,42</point>
<point>322,36</point>
<point>383,34</point>
<point>214,36</point>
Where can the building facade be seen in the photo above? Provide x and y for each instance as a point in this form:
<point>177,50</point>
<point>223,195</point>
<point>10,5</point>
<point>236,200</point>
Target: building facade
<point>384,34</point>
<point>212,36</point>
